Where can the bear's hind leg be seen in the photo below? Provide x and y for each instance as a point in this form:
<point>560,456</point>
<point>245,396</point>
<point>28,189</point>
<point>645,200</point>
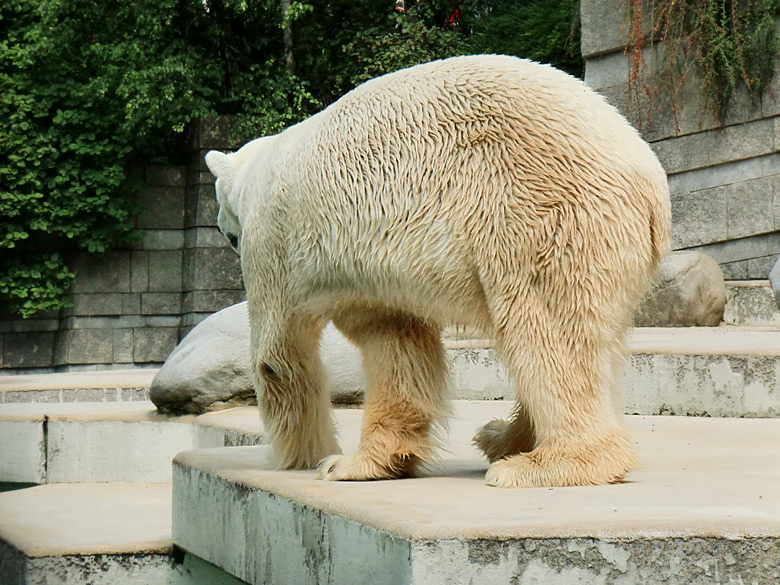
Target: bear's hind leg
<point>564,375</point>
<point>501,438</point>
<point>292,396</point>
<point>405,399</point>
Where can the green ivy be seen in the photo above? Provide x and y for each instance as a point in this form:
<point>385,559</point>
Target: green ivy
<point>88,87</point>
<point>733,43</point>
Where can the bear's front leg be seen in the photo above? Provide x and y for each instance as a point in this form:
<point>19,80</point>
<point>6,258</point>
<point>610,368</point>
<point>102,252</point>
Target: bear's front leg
<point>405,399</point>
<point>292,396</point>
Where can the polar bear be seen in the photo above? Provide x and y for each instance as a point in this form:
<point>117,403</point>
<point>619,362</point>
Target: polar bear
<point>488,191</point>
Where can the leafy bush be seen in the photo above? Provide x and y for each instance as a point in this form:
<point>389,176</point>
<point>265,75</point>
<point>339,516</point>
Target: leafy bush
<point>90,85</point>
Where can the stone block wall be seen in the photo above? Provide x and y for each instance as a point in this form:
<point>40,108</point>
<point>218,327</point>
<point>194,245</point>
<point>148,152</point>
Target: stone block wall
<point>724,177</point>
<point>131,307</point>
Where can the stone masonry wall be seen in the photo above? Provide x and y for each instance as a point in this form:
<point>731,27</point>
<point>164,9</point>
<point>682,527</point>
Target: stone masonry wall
<point>131,307</point>
<point>724,178</point>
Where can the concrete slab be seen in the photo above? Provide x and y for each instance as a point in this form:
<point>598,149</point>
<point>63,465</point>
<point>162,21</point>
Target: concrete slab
<point>86,533</point>
<point>720,371</point>
<point>91,442</point>
<point>751,303</point>
<point>704,506</point>
<point>129,378</point>
<point>128,385</point>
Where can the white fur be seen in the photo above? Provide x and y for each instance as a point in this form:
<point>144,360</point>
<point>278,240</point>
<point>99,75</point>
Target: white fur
<point>486,191</point>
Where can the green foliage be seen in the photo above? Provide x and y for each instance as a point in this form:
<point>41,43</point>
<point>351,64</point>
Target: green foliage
<point>734,43</point>
<point>402,40</point>
<point>88,86</point>
<point>542,30</point>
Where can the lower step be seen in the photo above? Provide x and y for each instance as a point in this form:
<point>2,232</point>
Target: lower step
<point>101,534</point>
<point>703,508</point>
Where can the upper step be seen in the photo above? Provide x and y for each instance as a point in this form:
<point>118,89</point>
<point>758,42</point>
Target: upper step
<point>713,371</point>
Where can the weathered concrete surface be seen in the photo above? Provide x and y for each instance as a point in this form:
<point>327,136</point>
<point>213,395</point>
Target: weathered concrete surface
<point>703,509</point>
<point>751,303</point>
<point>101,534</point>
<point>723,371</point>
<point>90,442</point>
<point>96,386</point>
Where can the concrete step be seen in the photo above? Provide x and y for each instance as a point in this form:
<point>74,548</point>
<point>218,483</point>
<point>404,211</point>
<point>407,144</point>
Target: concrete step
<point>751,303</point>
<point>101,534</point>
<point>704,508</point>
<point>700,371</point>
<point>109,442</point>
<point>129,385</point>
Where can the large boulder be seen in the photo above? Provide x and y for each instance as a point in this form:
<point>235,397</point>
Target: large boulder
<point>209,369</point>
<point>690,292</point>
<point>774,280</point>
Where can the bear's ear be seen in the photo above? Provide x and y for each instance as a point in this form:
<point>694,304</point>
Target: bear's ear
<point>219,163</point>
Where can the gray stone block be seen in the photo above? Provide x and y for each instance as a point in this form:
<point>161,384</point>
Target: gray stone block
<point>759,268</point>
<point>651,108</point>
<point>727,174</point>
<point>204,237</point>
<point>714,147</point>
<point>699,218</point>
<point>744,249</point>
<point>201,177</point>
<point>750,207</point>
<point>97,304</point>
<point>161,208</point>
<point>35,324</point>
<point>154,344</point>
<point>101,273</point>
<point>161,304</point>
<point>213,133</point>
<point>90,346</point>
<point>735,270</point>
<point>774,280</point>
<point>211,301</point>
<point>202,207</point>
<point>139,272</point>
<point>213,269</point>
<point>131,303</point>
<point>104,322</point>
<point>123,346</point>
<point>165,271</point>
<point>165,175</point>
<point>603,26</point>
<point>28,350</point>
<point>162,240</point>
<point>162,321</point>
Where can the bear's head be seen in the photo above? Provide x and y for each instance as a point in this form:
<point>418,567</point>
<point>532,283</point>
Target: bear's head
<point>224,167</point>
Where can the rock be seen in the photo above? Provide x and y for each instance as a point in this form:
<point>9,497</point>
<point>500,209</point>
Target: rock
<point>209,369</point>
<point>690,292</point>
<point>774,280</point>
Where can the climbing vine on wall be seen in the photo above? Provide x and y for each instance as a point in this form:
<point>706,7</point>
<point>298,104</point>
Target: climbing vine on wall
<point>733,43</point>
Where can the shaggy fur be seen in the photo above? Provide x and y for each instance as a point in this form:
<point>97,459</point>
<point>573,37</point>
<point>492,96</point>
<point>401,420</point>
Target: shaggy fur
<point>486,191</point>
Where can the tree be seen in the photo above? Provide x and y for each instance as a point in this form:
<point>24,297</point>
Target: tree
<point>89,85</point>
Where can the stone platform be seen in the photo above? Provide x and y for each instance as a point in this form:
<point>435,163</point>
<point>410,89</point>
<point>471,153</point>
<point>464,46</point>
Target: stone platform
<point>702,509</point>
<point>699,371</point>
